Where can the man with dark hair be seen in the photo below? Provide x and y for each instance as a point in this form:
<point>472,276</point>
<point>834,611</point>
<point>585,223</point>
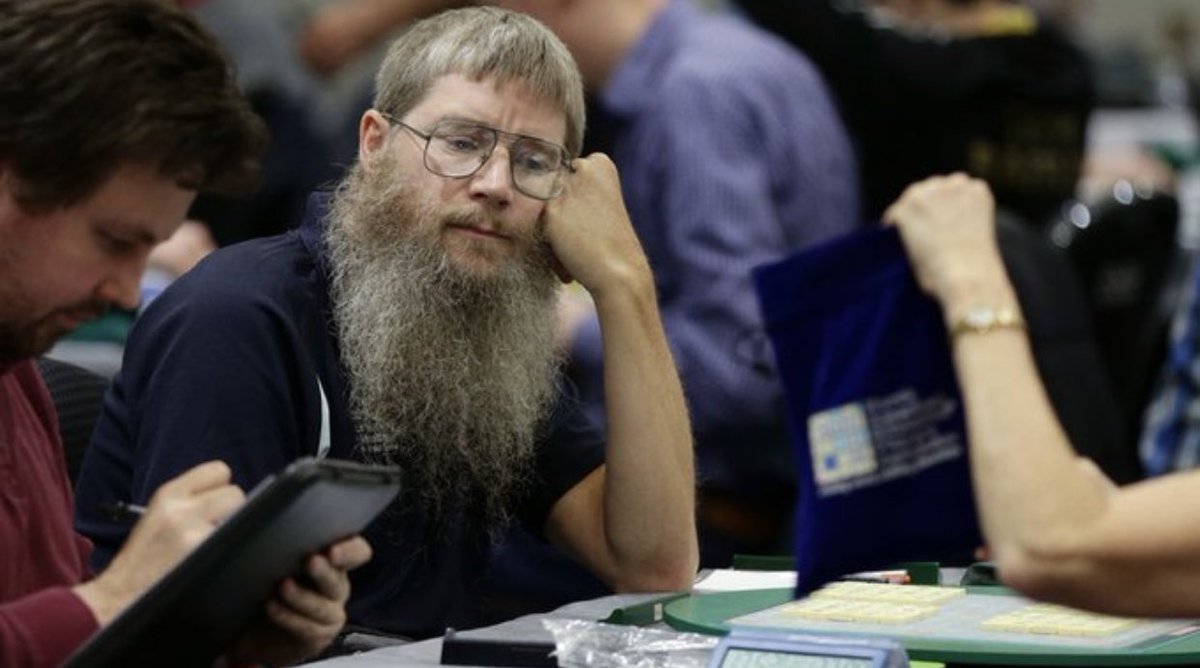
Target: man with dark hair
<point>411,320</point>
<point>113,113</point>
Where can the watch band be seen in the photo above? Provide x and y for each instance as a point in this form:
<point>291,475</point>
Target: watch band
<point>984,319</point>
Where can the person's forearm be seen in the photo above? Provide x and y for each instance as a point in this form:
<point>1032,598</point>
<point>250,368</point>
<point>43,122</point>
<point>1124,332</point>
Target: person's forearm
<point>103,603</point>
<point>340,32</point>
<point>377,18</point>
<point>1058,532</point>
<point>649,495</point>
<point>1035,503</point>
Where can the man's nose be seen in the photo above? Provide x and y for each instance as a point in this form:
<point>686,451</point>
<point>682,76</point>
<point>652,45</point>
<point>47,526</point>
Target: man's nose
<point>122,287</point>
<point>494,178</point>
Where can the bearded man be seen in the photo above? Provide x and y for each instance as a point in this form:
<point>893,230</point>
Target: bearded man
<point>411,319</point>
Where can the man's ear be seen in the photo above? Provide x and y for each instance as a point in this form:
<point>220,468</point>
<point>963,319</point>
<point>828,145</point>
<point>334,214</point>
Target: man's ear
<point>373,132</point>
<point>8,202</point>
<point>8,181</point>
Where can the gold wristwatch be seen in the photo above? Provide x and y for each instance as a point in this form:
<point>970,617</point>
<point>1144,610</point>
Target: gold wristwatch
<point>981,319</point>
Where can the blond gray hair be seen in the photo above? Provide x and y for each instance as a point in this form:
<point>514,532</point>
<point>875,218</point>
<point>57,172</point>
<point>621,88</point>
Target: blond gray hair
<point>482,42</point>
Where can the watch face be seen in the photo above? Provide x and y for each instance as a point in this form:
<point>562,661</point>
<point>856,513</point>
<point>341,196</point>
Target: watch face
<point>979,317</point>
<point>761,658</point>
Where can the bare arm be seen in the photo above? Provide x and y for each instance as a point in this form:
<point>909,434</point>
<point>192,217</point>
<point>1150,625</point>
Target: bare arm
<point>338,33</point>
<point>631,521</point>
<point>1056,532</point>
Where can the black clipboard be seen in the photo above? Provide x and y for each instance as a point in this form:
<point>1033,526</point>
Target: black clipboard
<point>192,615</point>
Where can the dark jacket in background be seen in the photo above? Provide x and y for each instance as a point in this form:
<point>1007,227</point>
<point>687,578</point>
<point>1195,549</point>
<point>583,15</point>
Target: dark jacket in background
<point>1010,106</point>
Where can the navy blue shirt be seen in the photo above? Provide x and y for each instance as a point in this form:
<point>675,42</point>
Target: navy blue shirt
<point>225,365</point>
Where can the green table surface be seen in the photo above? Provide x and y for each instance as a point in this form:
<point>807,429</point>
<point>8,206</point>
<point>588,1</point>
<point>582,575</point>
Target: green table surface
<point>707,613</point>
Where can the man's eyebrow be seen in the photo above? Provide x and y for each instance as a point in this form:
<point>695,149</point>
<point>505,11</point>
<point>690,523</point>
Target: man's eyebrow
<point>466,120</point>
<point>473,121</point>
<point>132,230</point>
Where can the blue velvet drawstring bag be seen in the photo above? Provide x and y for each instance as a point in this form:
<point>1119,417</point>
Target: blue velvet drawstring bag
<point>874,410</point>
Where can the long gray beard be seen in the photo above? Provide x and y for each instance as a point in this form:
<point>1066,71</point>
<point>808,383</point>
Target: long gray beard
<point>450,373</point>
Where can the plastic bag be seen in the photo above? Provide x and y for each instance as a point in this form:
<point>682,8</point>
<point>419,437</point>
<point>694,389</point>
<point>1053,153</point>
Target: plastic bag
<point>579,643</point>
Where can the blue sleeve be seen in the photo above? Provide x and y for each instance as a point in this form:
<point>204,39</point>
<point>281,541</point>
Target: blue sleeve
<point>726,148</point>
<point>213,370</point>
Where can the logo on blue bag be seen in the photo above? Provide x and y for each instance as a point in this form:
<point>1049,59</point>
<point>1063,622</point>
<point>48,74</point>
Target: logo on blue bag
<point>841,444</point>
<point>867,443</point>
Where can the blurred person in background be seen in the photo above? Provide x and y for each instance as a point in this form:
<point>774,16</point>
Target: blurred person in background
<point>935,86</point>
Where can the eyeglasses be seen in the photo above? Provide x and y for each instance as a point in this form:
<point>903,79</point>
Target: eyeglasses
<point>457,149</point>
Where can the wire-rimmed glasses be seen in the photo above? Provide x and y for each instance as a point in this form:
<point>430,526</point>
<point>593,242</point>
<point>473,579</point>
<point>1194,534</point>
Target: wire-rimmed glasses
<point>457,149</point>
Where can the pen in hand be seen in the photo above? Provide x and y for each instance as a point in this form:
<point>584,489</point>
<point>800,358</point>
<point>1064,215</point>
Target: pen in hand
<point>122,511</point>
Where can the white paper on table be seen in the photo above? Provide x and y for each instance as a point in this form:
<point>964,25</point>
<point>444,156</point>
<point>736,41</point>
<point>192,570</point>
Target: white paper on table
<point>725,579</point>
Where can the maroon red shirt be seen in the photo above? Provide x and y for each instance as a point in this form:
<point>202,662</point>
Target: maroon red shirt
<point>41,557</point>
